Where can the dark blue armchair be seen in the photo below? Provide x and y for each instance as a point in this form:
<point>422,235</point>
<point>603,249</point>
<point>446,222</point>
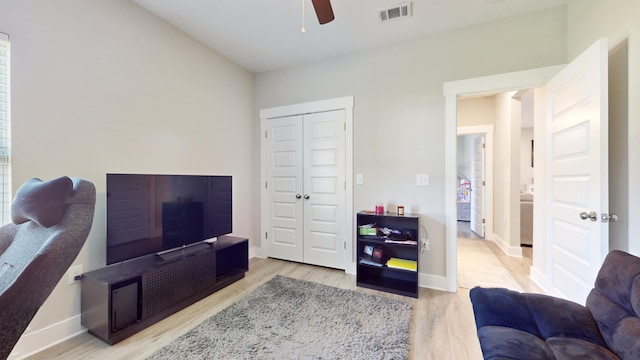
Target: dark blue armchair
<point>513,325</point>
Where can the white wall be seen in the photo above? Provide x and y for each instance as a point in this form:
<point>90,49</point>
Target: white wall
<point>476,111</point>
<point>619,21</point>
<point>399,106</point>
<point>506,198</point>
<point>103,86</point>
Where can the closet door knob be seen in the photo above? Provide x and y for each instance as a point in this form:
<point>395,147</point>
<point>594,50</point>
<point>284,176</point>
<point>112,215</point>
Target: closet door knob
<point>306,196</point>
<point>593,216</point>
<point>298,196</point>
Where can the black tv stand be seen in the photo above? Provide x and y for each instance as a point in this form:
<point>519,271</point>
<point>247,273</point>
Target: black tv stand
<point>121,299</point>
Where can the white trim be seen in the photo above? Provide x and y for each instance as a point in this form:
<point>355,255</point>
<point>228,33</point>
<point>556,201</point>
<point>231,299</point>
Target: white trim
<point>342,103</point>
<point>4,36</point>
<point>501,82</point>
<point>256,252</point>
<point>506,248</point>
<point>31,343</point>
<point>451,91</point>
<point>475,129</point>
<point>538,278</point>
<point>307,108</point>
<point>450,206</point>
<point>435,282</point>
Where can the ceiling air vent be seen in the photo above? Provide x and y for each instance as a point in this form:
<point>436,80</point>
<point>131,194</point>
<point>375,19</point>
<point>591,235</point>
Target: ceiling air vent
<point>397,12</point>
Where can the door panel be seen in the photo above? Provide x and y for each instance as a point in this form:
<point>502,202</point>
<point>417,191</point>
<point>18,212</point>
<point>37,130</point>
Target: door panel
<point>577,173</point>
<point>284,162</point>
<point>477,187</point>
<point>325,186</point>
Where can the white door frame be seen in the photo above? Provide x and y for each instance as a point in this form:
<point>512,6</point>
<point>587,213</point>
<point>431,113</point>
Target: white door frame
<point>343,103</point>
<point>451,90</point>
<point>487,132</point>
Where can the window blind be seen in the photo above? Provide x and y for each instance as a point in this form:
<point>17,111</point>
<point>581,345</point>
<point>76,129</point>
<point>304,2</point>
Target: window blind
<point>5,176</point>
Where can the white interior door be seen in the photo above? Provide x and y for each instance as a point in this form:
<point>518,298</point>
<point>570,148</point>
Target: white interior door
<point>284,185</point>
<point>577,163</point>
<point>324,189</point>
<point>478,186</point>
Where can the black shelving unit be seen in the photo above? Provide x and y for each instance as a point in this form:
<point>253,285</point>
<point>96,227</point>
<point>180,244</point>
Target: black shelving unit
<point>380,276</point>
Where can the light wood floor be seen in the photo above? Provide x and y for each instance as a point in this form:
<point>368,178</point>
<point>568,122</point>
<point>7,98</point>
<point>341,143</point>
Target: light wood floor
<point>442,326</point>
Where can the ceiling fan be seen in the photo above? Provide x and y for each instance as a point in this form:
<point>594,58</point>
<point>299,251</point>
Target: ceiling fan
<point>323,11</point>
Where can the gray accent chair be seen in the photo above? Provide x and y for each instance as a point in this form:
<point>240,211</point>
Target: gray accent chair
<point>50,223</point>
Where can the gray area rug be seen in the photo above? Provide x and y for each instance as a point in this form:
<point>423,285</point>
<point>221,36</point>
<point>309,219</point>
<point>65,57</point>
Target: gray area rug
<point>293,319</point>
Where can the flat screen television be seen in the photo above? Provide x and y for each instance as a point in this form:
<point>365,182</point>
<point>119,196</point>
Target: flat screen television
<point>149,214</point>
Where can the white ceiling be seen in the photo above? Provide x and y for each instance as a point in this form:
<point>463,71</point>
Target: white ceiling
<point>263,35</point>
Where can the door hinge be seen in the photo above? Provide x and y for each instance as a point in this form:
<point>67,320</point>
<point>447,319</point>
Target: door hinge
<point>345,245</point>
<point>483,183</point>
<point>266,235</point>
<point>265,185</point>
<point>484,145</point>
<point>345,126</point>
<point>265,134</point>
<point>483,221</point>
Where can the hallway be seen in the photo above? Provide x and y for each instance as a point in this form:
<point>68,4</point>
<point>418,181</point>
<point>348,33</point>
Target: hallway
<point>517,267</point>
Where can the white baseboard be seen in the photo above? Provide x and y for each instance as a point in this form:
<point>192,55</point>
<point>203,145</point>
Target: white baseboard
<point>506,248</point>
<point>537,277</point>
<point>36,341</point>
<point>435,282</point>
<point>257,252</point>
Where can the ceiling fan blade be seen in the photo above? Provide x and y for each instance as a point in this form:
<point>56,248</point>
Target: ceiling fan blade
<point>323,11</point>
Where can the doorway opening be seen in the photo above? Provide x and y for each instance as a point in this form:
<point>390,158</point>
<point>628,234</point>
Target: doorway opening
<point>474,87</point>
<point>471,186</point>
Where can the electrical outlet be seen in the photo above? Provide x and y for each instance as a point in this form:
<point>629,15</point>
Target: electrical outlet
<point>73,272</point>
<point>359,179</point>
<point>422,179</point>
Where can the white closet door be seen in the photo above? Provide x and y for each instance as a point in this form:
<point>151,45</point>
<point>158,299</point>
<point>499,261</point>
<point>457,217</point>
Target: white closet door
<point>324,189</point>
<point>285,167</point>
